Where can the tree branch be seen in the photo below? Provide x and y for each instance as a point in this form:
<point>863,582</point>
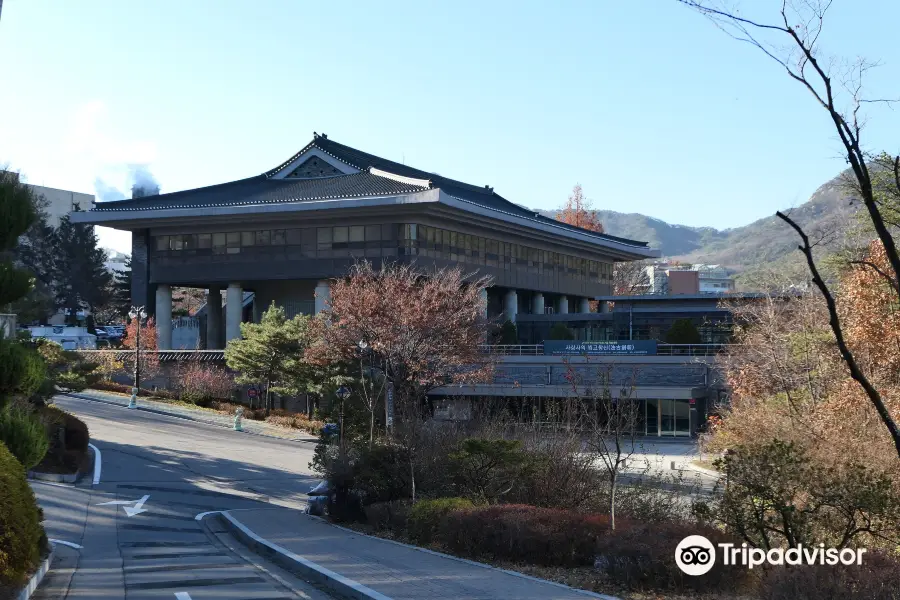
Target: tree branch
<point>855,371</point>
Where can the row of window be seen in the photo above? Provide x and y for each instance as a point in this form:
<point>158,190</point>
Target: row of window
<point>432,242</point>
<point>385,241</point>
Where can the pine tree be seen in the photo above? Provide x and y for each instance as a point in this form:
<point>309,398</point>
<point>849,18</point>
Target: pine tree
<point>34,253</point>
<point>82,280</point>
<point>268,351</point>
<point>121,293</point>
<point>17,213</point>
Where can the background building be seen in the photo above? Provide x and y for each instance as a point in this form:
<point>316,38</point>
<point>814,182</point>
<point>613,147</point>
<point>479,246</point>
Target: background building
<point>62,202</point>
<point>665,279</point>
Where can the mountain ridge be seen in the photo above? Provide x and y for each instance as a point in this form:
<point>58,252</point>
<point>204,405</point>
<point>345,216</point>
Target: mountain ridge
<point>766,241</point>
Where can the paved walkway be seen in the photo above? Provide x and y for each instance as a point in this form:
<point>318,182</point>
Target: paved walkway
<point>199,414</point>
<point>397,571</point>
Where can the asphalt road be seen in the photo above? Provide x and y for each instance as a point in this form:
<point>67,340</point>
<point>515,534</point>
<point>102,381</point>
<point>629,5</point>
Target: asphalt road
<point>137,529</point>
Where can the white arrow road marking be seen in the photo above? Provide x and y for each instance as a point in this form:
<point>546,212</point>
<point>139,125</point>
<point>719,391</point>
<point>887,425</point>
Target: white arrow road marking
<point>182,596</point>
<point>137,509</point>
<point>65,543</point>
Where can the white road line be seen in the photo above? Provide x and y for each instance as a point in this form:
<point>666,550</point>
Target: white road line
<point>97,464</point>
<point>65,543</point>
<point>203,514</point>
<point>182,596</point>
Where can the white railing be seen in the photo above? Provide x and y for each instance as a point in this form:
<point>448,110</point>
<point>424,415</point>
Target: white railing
<point>661,349</point>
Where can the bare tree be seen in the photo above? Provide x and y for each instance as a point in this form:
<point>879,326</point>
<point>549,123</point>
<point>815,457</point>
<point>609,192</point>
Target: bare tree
<point>793,42</point>
<point>609,420</point>
<point>630,278</point>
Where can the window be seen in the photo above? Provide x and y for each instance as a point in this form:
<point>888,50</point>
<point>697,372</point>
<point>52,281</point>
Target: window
<point>263,238</point>
<point>373,233</point>
<point>162,242</point>
<point>204,241</point>
<point>357,235</point>
<point>218,243</point>
<point>233,242</point>
<point>278,237</point>
<point>248,238</point>
<point>294,237</point>
<point>341,236</point>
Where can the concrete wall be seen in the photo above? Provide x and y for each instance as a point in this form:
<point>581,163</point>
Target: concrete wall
<point>61,202</point>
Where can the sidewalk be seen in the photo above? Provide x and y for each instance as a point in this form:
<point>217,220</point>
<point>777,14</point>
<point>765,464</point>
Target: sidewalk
<point>198,414</point>
<point>387,570</point>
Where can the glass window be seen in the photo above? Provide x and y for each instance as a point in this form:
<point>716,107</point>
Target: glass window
<point>189,242</point>
<point>389,231</point>
<point>204,240</point>
<point>162,242</point>
<point>263,238</point>
<point>233,242</point>
<point>357,233</point>
<point>340,235</point>
<point>218,243</point>
<point>175,242</point>
<point>294,237</point>
<point>323,237</point>
<point>248,238</point>
<point>278,237</point>
<point>373,233</point>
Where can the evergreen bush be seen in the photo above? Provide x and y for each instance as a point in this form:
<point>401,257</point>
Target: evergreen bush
<point>21,535</point>
<point>23,434</point>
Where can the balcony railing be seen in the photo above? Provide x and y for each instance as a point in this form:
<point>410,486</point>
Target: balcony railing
<point>661,349</point>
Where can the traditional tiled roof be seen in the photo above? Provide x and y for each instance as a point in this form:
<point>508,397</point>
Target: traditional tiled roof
<point>265,190</point>
<point>482,196</point>
<point>395,179</point>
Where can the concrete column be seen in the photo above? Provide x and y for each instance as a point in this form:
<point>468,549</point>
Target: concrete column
<point>234,309</point>
<point>537,303</point>
<point>584,305</point>
<point>511,305</point>
<point>214,319</point>
<point>163,317</point>
<point>562,305</point>
<point>603,306</point>
<point>323,295</point>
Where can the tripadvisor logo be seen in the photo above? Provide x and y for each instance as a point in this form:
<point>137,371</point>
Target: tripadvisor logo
<point>696,555</point>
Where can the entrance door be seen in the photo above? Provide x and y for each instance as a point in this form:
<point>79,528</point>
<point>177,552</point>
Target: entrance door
<point>652,419</point>
<point>666,417</point>
<point>674,418</point>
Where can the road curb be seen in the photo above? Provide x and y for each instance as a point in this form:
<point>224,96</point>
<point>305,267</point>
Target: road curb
<point>70,478</point>
<point>36,579</point>
<point>587,593</point>
<point>187,418</point>
<point>298,565</point>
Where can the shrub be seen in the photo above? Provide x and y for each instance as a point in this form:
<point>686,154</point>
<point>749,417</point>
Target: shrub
<point>388,516</point>
<point>300,421</point>
<point>523,533</point>
<point>561,332</point>
<point>22,371</point>
<point>21,535</point>
<point>200,382</point>
<point>877,578</point>
<point>643,557</point>
<point>486,469</point>
<point>426,517</point>
<point>23,434</point>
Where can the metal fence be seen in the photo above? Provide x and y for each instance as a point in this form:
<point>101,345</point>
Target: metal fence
<point>661,349</point>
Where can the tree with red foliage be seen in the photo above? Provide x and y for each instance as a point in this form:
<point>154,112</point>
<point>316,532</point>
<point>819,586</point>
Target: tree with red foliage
<point>421,331</point>
<point>579,212</point>
<point>150,358</point>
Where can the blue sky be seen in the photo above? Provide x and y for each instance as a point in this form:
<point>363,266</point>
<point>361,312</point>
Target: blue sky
<point>645,103</point>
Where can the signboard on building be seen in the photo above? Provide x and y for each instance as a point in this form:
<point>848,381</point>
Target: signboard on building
<point>626,348</point>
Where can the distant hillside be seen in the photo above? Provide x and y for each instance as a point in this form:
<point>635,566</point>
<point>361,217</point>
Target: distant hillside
<point>763,242</point>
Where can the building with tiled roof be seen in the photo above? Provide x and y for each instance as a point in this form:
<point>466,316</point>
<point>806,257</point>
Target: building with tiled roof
<point>286,233</point>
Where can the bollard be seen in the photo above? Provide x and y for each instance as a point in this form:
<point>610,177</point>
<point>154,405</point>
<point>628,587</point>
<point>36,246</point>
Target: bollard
<point>133,402</point>
<point>238,414</point>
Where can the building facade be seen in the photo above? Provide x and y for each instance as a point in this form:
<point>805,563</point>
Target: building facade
<point>285,234</point>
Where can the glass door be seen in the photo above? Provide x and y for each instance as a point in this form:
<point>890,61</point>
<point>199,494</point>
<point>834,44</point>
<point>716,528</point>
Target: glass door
<point>682,417</point>
<point>652,418</point>
<point>667,417</point>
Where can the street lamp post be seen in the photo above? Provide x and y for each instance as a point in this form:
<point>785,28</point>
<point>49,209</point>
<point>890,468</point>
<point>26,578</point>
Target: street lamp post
<point>136,312</point>
<point>343,393</point>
